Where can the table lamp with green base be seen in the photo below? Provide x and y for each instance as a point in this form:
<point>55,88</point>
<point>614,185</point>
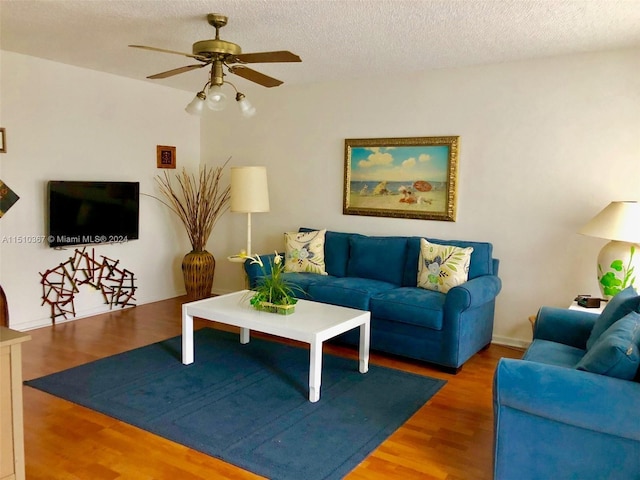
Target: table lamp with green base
<point>619,260</point>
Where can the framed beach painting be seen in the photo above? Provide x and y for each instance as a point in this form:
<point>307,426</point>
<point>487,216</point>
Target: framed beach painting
<point>401,177</point>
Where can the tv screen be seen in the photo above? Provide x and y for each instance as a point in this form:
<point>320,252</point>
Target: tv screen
<point>82,213</point>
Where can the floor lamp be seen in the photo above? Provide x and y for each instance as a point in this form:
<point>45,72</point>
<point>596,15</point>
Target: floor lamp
<point>619,260</point>
<point>249,194</point>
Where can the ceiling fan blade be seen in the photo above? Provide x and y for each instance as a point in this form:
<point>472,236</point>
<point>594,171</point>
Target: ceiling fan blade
<point>177,71</point>
<point>154,49</point>
<point>260,78</point>
<point>268,57</point>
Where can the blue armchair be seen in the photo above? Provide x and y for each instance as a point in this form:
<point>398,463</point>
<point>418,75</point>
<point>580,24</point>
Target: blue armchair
<point>557,419</point>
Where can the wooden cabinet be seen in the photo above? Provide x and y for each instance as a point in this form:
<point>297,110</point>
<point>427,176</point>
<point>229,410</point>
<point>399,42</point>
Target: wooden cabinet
<point>11,427</point>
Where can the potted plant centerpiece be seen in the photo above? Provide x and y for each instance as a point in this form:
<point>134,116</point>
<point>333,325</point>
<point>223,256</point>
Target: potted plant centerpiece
<point>273,293</point>
<point>198,203</point>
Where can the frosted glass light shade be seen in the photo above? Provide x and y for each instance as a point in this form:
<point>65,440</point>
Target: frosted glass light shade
<point>196,107</point>
<point>216,98</point>
<point>249,189</point>
<point>246,108</point>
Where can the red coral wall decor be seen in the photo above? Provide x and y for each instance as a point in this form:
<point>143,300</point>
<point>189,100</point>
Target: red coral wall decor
<point>60,284</point>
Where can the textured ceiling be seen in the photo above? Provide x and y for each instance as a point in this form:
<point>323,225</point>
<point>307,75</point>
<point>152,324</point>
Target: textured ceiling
<point>336,39</point>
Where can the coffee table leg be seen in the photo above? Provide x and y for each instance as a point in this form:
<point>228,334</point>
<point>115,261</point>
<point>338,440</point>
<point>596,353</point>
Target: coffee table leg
<point>245,335</point>
<point>364,347</point>
<point>187,338</point>
<point>315,371</point>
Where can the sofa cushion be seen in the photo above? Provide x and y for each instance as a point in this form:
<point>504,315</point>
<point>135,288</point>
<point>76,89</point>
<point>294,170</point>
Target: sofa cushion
<point>347,291</point>
<point>302,280</point>
<point>377,258</point>
<point>615,353</point>
<point>625,302</point>
<point>481,259</point>
<point>442,267</point>
<point>553,353</point>
<point>411,305</point>
<point>304,252</point>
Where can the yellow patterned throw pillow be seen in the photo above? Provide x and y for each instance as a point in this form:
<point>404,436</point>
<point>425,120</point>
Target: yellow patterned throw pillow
<point>304,252</point>
<point>442,267</point>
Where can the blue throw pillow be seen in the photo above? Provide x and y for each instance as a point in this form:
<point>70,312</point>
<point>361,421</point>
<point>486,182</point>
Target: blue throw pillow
<point>625,302</point>
<point>377,258</point>
<point>616,354</point>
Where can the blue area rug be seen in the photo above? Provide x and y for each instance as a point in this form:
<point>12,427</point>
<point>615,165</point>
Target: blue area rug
<point>248,404</point>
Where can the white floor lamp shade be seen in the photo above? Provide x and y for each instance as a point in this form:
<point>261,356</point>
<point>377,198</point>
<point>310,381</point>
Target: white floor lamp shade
<point>619,260</point>
<point>249,194</point>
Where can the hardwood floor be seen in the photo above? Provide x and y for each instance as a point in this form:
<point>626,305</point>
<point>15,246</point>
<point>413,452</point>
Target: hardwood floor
<point>448,438</point>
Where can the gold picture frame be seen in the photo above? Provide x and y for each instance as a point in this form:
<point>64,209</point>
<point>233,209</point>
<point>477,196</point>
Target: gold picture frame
<point>165,156</point>
<point>3,140</point>
<point>413,177</point>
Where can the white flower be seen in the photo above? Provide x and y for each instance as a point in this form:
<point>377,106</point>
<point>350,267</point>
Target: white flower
<point>255,259</point>
<point>277,259</point>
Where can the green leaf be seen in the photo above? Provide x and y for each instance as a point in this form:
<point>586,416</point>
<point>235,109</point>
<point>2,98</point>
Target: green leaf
<point>609,280</point>
<point>612,291</point>
<point>617,265</point>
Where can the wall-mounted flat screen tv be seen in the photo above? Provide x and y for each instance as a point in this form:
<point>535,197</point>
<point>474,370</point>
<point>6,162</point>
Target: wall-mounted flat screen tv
<point>82,213</point>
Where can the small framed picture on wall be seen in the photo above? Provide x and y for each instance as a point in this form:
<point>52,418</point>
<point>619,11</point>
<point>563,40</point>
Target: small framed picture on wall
<point>3,141</point>
<point>165,156</point>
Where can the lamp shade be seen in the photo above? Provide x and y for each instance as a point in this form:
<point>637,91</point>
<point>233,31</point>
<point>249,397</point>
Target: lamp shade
<point>618,221</point>
<point>196,107</point>
<point>249,189</point>
<point>216,98</point>
<point>246,108</point>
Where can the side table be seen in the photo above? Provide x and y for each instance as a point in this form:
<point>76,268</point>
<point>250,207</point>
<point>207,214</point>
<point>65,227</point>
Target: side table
<point>574,306</point>
<point>239,259</point>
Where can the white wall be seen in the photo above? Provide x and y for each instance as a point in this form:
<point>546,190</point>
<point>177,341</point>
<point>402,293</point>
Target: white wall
<point>544,146</point>
<point>67,123</point>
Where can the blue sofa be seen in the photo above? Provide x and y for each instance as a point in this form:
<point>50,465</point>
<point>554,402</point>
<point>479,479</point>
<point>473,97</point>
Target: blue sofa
<point>570,409</point>
<point>379,274</point>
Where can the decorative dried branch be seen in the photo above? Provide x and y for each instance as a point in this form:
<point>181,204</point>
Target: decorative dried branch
<point>198,203</point>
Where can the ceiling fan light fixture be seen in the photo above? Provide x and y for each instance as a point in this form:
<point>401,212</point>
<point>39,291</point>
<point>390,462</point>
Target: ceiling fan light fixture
<point>196,107</point>
<point>219,53</point>
<point>246,108</point>
<point>216,98</point>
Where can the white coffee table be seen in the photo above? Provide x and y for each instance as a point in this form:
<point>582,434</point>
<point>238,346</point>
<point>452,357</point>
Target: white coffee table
<point>312,323</point>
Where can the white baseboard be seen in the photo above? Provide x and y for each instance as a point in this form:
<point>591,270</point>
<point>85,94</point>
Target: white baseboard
<point>47,322</point>
<point>510,342</point>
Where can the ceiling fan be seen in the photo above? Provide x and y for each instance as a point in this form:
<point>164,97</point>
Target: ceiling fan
<point>220,53</point>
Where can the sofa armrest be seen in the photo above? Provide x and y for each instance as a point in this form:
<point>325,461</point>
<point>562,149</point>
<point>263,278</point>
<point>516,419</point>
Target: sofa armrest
<point>255,271</point>
<point>473,293</point>
<point>571,397</point>
<point>561,325</point>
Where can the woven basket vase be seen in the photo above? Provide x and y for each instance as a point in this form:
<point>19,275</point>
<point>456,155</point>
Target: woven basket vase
<point>198,268</point>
